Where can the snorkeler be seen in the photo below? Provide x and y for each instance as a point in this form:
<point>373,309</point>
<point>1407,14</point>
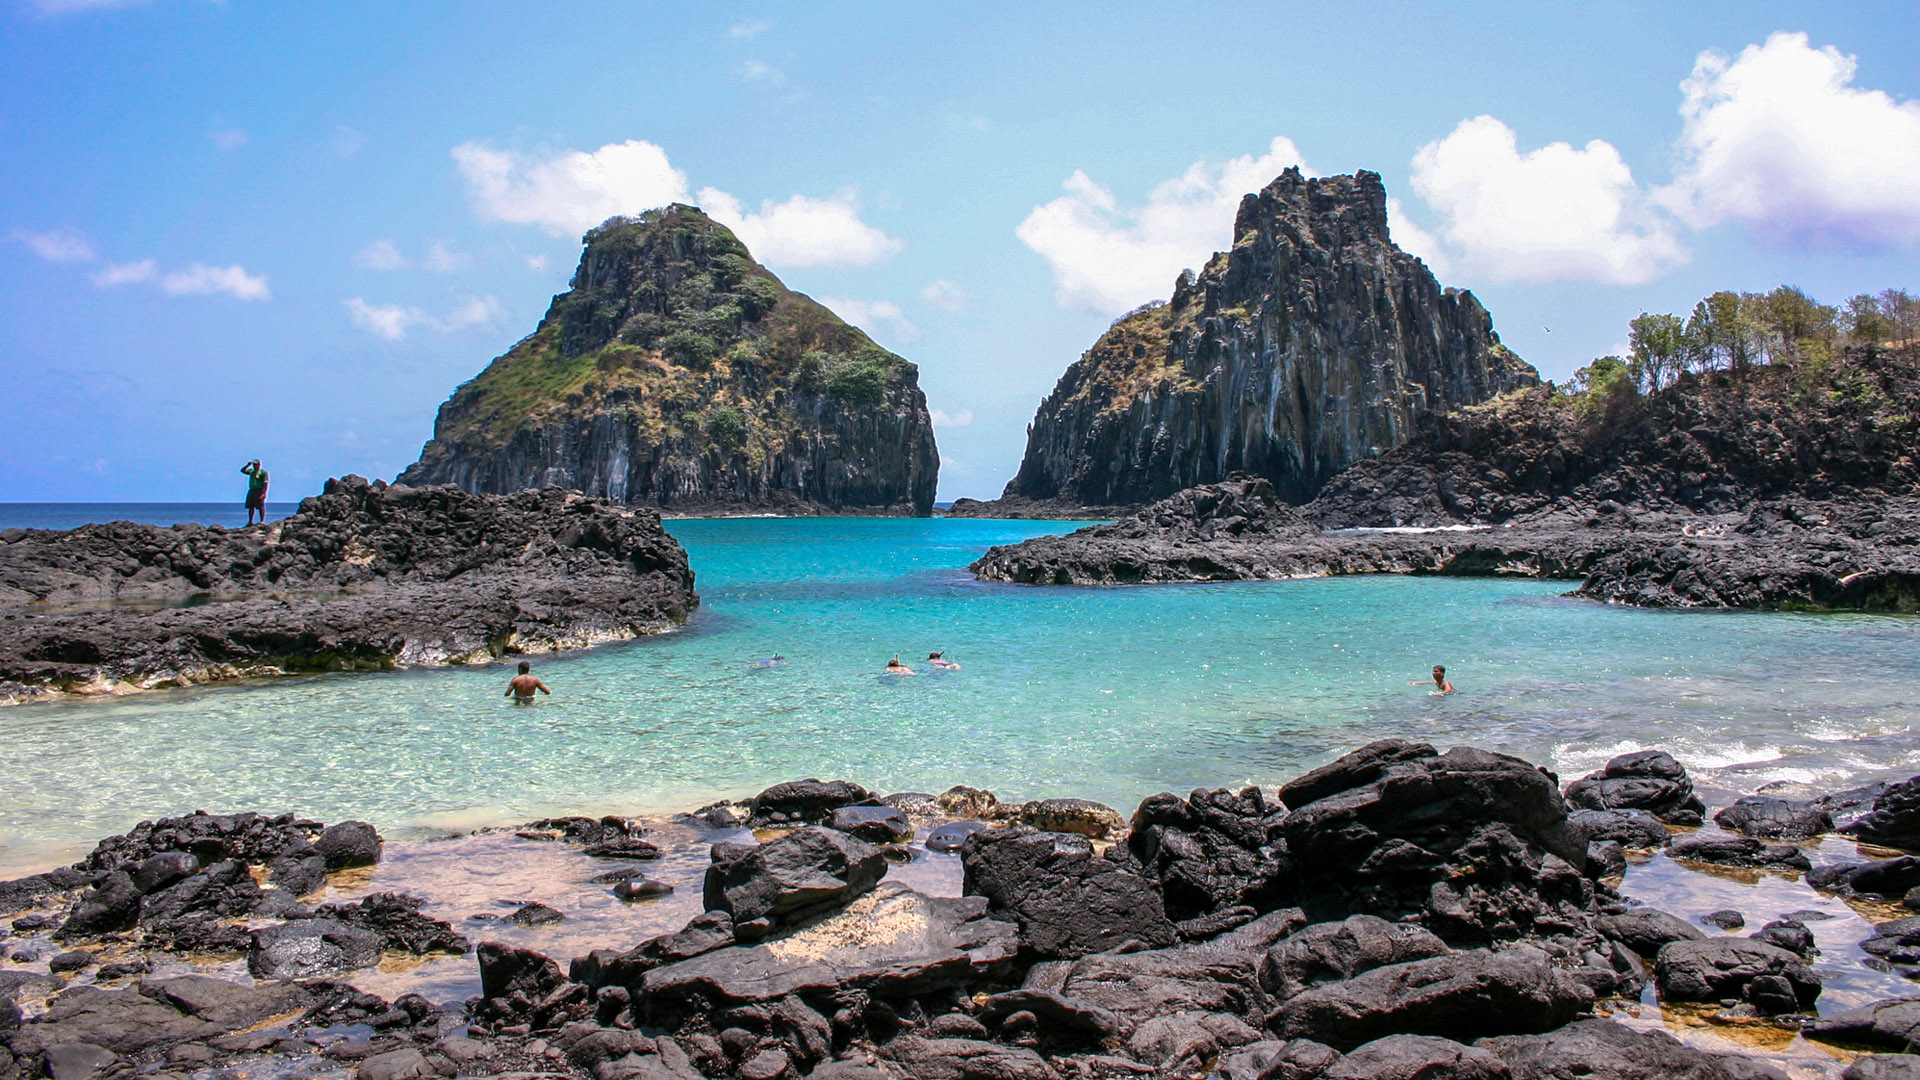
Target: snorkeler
<point>1441,684</point>
<point>939,660</point>
<point>771,661</point>
<point>895,667</point>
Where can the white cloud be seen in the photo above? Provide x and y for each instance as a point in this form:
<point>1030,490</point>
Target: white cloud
<point>870,315</point>
<point>803,231</point>
<point>537,263</point>
<point>956,418</point>
<point>944,295</point>
<point>441,258</point>
<point>381,255</point>
<point>203,279</point>
<point>1109,259</point>
<point>750,28</point>
<point>762,72</point>
<point>1779,139</point>
<point>393,321</point>
<point>126,273</point>
<point>573,192</point>
<point>229,138</point>
<point>58,245</point>
<point>1550,213</point>
<point>345,141</point>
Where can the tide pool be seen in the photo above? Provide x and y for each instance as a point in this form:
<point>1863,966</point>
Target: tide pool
<point>1110,694</point>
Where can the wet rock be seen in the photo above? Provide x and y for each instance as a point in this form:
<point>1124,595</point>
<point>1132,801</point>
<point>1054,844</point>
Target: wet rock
<point>348,844</point>
<point>1182,1040</point>
<point>1649,780</point>
<point>1896,942</point>
<point>400,1064</point>
<point>1774,819</point>
<point>641,888</point>
<point>622,847</point>
<point>890,942</point>
<point>535,914</point>
<point>311,948</point>
<point>299,873</point>
<point>78,1061</point>
<point>122,969</point>
<point>33,924</point>
<point>1083,816</point>
<point>113,904</point>
<point>1768,977</point>
<point>950,836</point>
<point>1892,1023</point>
<point>1885,879</point>
<point>1464,995</point>
<point>1724,919</point>
<point>123,1021</point>
<point>1333,952</point>
<point>1894,820</point>
<point>1788,934</point>
<point>75,960</point>
<point>1739,851</point>
<point>1067,901</point>
<point>164,869</point>
<point>1645,930</point>
<point>1138,987</point>
<point>914,804</point>
<point>1884,1067</point>
<point>808,801</point>
<point>962,801</point>
<point>1417,1057</point>
<point>1063,1018</point>
<point>1606,858</point>
<point>1272,1059</point>
<point>1206,851</point>
<point>1604,1050</point>
<point>229,1005</point>
<point>505,971</point>
<point>224,889</point>
<point>1632,828</point>
<point>874,824</point>
<point>20,894</point>
<point>1847,806</point>
<point>804,873</point>
<point>964,1059</point>
<point>397,919</point>
<point>603,968</point>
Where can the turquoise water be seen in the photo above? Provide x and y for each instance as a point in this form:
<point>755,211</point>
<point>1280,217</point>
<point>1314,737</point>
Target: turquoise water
<point>1107,693</point>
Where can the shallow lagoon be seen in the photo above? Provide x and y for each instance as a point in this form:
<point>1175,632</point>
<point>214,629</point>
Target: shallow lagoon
<point>1107,693</point>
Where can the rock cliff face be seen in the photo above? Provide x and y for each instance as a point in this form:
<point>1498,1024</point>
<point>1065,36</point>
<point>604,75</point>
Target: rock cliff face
<point>679,373</point>
<point>1312,344</point>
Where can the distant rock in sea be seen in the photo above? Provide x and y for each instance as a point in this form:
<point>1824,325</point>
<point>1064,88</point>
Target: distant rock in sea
<point>679,373</point>
<point>1313,343</point>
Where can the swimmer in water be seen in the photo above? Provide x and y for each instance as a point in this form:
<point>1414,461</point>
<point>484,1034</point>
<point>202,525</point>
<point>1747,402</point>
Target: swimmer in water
<point>895,667</point>
<point>939,660</point>
<point>1441,684</point>
<point>772,661</point>
<point>524,684</point>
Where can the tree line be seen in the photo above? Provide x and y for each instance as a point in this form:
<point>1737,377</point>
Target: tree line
<point>1733,331</point>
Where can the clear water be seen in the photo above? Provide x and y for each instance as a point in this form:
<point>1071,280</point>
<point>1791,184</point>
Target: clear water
<point>1111,694</point>
<point>55,515</point>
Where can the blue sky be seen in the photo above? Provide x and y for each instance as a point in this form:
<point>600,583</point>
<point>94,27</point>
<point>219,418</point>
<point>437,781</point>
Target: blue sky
<point>288,231</point>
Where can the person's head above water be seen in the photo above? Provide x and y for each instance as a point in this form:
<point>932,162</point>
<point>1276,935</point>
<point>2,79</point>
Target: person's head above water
<point>1439,672</point>
<point>895,662</point>
<point>935,655</point>
<point>525,667</point>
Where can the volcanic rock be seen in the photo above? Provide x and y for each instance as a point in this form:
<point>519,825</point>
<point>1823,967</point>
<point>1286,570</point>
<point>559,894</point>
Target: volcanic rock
<point>1604,1050</point>
<point>311,948</point>
<point>1647,780</point>
<point>1894,820</point>
<point>1767,976</point>
<point>1067,901</point>
<point>1467,995</point>
<point>1774,819</point>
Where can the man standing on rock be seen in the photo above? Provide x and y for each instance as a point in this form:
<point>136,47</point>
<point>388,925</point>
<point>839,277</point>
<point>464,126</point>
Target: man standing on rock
<point>256,490</point>
<point>524,684</point>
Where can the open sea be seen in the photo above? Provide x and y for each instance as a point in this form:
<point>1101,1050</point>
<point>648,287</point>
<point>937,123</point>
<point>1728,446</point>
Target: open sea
<point>1111,694</point>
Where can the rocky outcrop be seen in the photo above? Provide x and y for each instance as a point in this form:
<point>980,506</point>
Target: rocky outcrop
<point>365,576</point>
<point>1313,343</point>
<point>679,373</point>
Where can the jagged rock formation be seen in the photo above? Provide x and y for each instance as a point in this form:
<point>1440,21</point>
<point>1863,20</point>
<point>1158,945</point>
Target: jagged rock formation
<point>679,373</point>
<point>365,576</point>
<point>1311,344</point>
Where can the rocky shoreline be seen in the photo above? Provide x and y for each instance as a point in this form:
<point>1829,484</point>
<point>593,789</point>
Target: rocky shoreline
<point>365,576</point>
<point>1399,912</point>
<point>1856,554</point>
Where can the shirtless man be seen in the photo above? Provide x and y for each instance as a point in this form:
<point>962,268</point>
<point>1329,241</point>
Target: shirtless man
<point>1441,684</point>
<point>895,667</point>
<point>524,684</point>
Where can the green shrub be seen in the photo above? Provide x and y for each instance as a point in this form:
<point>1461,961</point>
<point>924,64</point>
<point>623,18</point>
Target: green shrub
<point>726,425</point>
<point>689,348</point>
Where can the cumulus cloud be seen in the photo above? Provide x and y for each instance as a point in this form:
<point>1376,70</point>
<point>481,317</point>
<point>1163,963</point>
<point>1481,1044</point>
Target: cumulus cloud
<point>58,245</point>
<point>1109,258</point>
<point>203,279</point>
<point>1415,240</point>
<point>944,295</point>
<point>126,273</point>
<point>803,231</point>
<point>1780,139</point>
<point>573,192</point>
<point>392,322</point>
<point>229,138</point>
<point>1551,213</point>
<point>871,315</point>
<point>956,418</point>
<point>381,255</point>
